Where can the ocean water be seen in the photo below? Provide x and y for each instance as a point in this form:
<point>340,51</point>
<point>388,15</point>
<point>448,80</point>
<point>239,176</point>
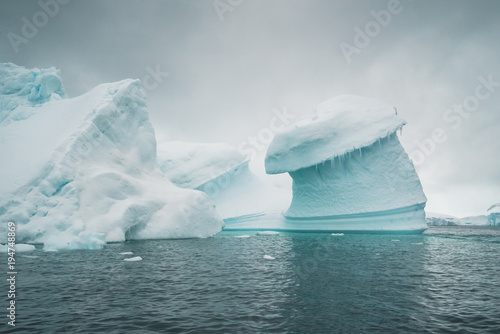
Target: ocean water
<point>444,281</point>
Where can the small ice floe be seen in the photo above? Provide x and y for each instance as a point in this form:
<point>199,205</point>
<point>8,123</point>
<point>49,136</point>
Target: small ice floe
<point>30,256</point>
<point>242,236</point>
<point>337,234</point>
<point>269,257</point>
<point>267,233</point>
<point>395,240</point>
<point>377,254</point>
<point>18,248</point>
<point>133,259</point>
<point>417,243</point>
<point>126,253</point>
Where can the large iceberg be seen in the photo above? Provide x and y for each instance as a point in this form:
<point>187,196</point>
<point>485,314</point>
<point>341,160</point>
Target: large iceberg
<point>240,196</point>
<point>349,169</point>
<point>80,172</point>
<point>494,215</point>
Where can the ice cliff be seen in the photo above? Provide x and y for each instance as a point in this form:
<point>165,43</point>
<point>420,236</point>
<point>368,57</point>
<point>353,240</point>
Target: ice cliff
<point>346,162</point>
<point>80,172</point>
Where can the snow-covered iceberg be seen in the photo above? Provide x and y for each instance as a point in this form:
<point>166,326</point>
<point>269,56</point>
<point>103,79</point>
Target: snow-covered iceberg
<point>349,169</point>
<point>80,172</point>
<point>223,173</point>
<point>494,215</point>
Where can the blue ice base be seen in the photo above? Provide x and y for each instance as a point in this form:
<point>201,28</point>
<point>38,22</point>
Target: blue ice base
<point>408,220</point>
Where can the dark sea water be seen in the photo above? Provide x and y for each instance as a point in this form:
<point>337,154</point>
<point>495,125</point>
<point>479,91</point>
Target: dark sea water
<point>444,281</point>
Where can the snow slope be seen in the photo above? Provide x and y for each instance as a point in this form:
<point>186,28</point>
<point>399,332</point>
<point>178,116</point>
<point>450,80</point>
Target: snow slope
<point>337,126</point>
<point>189,165</point>
<point>77,173</point>
<point>223,173</point>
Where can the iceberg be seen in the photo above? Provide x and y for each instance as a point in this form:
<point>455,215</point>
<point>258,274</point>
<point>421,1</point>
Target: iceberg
<point>223,173</point>
<point>494,215</point>
<point>81,172</point>
<point>18,248</point>
<point>349,170</point>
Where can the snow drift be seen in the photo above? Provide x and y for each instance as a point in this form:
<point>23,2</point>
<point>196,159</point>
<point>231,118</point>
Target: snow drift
<point>80,172</point>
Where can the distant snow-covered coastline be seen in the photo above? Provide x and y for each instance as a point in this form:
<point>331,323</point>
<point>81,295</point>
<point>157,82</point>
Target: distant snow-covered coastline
<point>438,219</point>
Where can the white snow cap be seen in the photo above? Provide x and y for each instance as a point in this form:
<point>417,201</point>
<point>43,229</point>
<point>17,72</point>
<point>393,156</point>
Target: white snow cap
<point>189,165</point>
<point>337,126</point>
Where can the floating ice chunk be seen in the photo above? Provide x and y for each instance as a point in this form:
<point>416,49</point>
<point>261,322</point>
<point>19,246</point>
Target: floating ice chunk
<point>30,256</point>
<point>18,248</point>
<point>269,257</point>
<point>127,253</point>
<point>338,234</point>
<point>267,233</point>
<point>395,240</point>
<point>417,243</point>
<point>242,236</point>
<point>133,259</point>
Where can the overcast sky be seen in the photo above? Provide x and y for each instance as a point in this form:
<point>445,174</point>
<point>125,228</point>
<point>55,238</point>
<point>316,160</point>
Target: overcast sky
<point>229,67</point>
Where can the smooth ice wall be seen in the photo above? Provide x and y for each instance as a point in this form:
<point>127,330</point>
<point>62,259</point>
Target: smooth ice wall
<point>375,178</point>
